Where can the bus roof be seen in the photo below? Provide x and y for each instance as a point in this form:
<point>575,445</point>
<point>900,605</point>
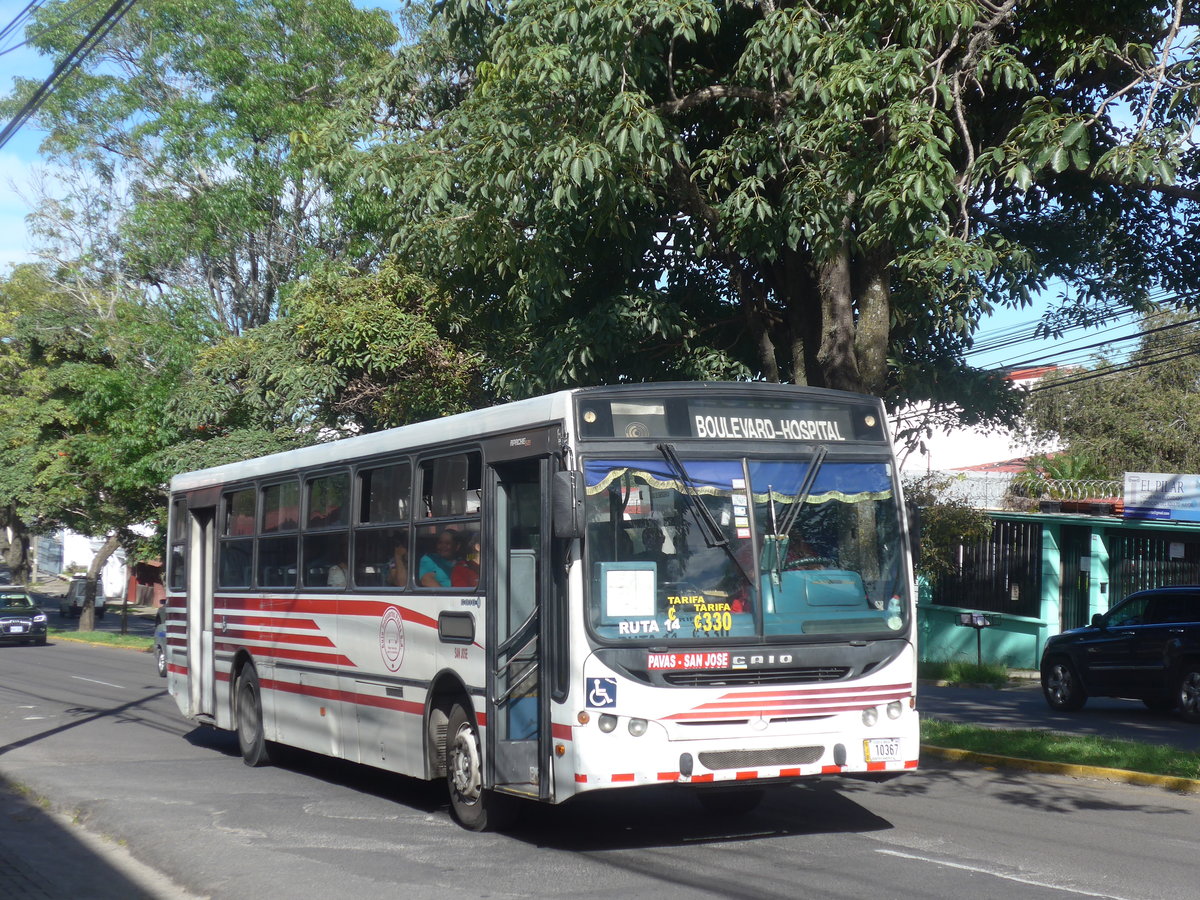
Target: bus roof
<point>495,419</point>
<point>500,419</point>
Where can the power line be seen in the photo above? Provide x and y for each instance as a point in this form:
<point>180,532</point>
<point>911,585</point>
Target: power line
<point>66,66</point>
<point>66,20</point>
<point>19,19</point>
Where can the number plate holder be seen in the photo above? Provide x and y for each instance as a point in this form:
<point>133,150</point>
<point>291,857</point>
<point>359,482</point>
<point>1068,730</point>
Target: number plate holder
<point>881,750</point>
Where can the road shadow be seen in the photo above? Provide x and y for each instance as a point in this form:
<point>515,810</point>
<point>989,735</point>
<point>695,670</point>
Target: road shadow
<point>671,816</point>
<point>626,818</point>
<point>34,846</point>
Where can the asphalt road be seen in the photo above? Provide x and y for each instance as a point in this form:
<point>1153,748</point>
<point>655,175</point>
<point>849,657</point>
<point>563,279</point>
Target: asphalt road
<point>91,731</point>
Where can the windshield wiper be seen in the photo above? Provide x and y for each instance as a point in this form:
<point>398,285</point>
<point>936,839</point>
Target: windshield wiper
<point>798,500</point>
<point>709,529</point>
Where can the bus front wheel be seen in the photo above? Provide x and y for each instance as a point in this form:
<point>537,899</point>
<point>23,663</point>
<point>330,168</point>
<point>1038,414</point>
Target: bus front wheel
<point>251,740</point>
<point>471,805</point>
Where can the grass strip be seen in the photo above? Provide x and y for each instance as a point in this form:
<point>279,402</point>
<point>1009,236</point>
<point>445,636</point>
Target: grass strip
<point>1072,749</point>
<point>958,671</point>
<point>107,638</point>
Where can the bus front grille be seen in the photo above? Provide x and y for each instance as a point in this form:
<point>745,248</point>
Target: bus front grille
<point>753,759</point>
<point>802,675</point>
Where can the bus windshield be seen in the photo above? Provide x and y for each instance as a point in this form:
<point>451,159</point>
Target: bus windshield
<point>703,550</point>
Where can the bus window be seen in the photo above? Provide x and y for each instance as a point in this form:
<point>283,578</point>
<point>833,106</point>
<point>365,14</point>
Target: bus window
<point>328,501</point>
<point>450,485</point>
<point>381,557</point>
<point>277,562</point>
<point>236,549</point>
<point>326,559</point>
<point>281,507</point>
<point>177,572</point>
<point>384,494</point>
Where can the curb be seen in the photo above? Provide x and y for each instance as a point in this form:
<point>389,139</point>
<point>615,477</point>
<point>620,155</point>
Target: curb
<point>1125,776</point>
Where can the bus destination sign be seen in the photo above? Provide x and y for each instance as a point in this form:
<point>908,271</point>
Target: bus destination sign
<point>730,418</point>
<point>721,424</point>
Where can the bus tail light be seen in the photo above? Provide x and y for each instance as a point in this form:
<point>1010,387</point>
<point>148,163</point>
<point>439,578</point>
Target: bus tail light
<point>894,709</point>
<point>607,723</point>
<point>637,727</point>
<point>870,716</point>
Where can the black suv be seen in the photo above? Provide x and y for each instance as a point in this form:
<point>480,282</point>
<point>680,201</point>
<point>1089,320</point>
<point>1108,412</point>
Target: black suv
<point>1147,647</point>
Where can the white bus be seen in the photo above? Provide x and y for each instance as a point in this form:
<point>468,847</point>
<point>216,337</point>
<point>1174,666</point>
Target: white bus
<point>705,585</point>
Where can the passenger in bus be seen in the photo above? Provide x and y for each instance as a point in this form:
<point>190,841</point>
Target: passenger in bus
<point>336,576</point>
<point>435,568</point>
<point>466,570</point>
<point>398,570</point>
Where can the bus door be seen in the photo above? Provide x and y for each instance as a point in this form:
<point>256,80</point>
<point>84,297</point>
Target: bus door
<point>517,704</point>
<point>201,557</point>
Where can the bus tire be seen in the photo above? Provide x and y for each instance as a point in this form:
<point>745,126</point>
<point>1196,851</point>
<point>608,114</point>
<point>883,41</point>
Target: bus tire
<point>471,805</point>
<point>251,739</point>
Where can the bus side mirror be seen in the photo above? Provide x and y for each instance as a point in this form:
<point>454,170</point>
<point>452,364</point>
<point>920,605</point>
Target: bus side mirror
<point>567,500</point>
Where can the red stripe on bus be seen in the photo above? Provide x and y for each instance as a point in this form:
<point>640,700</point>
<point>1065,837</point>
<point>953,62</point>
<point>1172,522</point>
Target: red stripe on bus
<point>333,659</point>
<point>561,732</point>
<point>789,773</point>
<point>481,719</point>
<point>321,606</point>
<point>876,766</point>
<point>369,607</point>
<point>309,690</point>
<point>814,702</point>
<point>910,764</point>
<point>624,776</point>
<point>830,770</point>
<point>704,778</point>
<point>746,776</point>
<point>271,622</point>
<point>856,689</point>
<point>741,714</point>
<point>302,640</point>
<point>580,779</point>
<point>668,776</point>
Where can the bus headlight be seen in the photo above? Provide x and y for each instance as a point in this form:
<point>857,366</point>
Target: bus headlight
<point>870,716</point>
<point>637,727</point>
<point>607,723</point>
<point>894,709</point>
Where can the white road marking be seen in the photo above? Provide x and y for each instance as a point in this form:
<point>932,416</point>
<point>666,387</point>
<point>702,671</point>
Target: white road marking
<point>1004,875</point>
<point>119,687</point>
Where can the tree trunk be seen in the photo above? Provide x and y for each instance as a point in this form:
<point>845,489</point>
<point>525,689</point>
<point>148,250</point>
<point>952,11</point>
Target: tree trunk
<point>16,550</point>
<point>872,288</point>
<point>836,353</point>
<point>87,615</point>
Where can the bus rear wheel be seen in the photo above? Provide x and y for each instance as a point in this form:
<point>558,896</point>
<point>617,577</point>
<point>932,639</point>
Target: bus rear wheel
<point>251,739</point>
<point>472,806</point>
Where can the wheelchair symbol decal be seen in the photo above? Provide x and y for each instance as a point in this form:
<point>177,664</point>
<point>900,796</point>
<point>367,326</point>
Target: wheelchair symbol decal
<point>601,692</point>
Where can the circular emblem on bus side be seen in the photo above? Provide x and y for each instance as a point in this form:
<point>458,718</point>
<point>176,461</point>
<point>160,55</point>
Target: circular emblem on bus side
<point>391,639</point>
<point>637,430</point>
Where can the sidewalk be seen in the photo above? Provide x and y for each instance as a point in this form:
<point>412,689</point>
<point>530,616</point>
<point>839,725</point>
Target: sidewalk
<point>44,855</point>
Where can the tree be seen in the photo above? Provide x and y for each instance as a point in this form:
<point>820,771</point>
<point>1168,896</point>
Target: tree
<point>831,194</point>
<point>1136,415</point>
<point>180,174</point>
<point>948,523</point>
<point>352,352</point>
